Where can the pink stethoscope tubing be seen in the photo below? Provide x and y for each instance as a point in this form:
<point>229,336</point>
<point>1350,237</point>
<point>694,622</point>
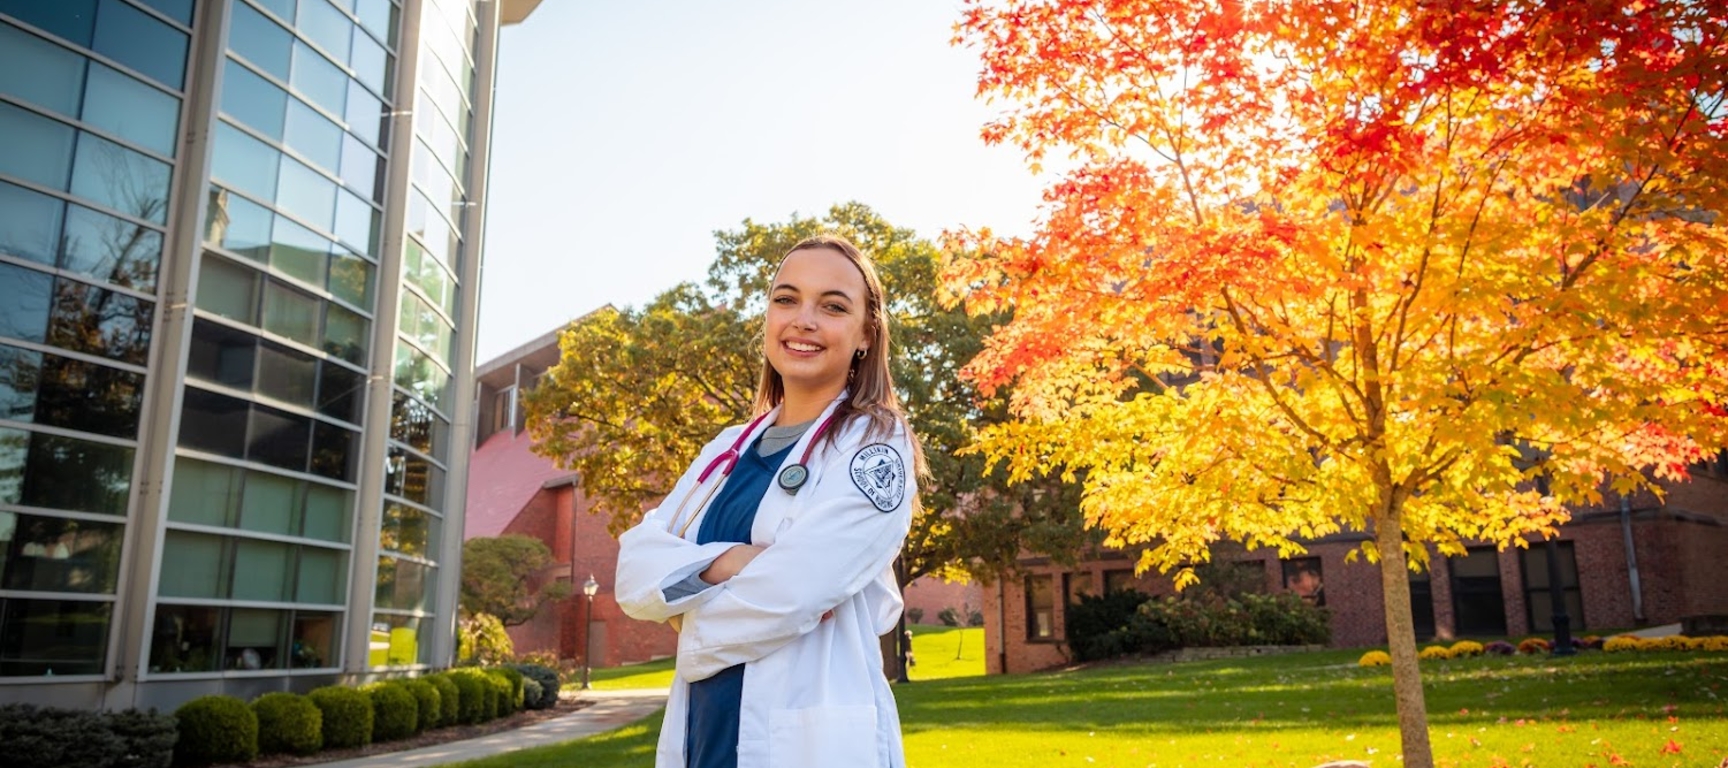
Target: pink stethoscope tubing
<point>729,459</point>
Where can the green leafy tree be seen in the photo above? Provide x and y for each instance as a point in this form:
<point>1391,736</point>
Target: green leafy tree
<point>501,577</point>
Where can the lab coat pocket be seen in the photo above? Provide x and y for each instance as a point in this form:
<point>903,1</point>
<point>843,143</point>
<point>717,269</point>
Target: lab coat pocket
<point>823,737</point>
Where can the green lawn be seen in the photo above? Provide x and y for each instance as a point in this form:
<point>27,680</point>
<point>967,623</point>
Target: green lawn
<point>1594,709</point>
<point>941,652</point>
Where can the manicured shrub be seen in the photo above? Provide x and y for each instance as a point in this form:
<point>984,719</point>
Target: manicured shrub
<point>530,690</point>
<point>501,692</point>
<point>473,692</point>
<point>514,675</point>
<point>1534,645</point>
<point>426,703</point>
<point>1500,648</point>
<point>449,703</point>
<point>1464,648</point>
<point>1374,659</point>
<point>49,737</point>
<point>147,738</point>
<point>288,723</point>
<point>1434,652</point>
<point>1623,643</point>
<point>215,729</point>
<point>347,716</point>
<point>394,712</point>
<point>1096,623</point>
<point>548,680</point>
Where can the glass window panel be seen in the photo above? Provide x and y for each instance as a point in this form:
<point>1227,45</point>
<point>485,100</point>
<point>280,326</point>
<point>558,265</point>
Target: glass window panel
<point>339,392</point>
<point>322,82</point>
<point>265,567</point>
<point>356,222</point>
<point>252,100</point>
<point>314,641</point>
<point>365,115</point>
<point>29,223</point>
<point>345,334</point>
<point>37,149</point>
<point>402,585</point>
<point>286,375</point>
<point>213,423</point>
<point>284,9</point>
<point>417,426</point>
<point>239,225</point>
<point>133,38</point>
<point>110,249</point>
<point>88,397</point>
<point>335,451</point>
<point>413,478</point>
<point>244,163</point>
<point>291,313</point>
<point>262,41</point>
<point>421,377</point>
<point>321,577</point>
<point>79,475</point>
<point>14,450</point>
<point>299,252</point>
<point>371,64</point>
<point>56,554</point>
<point>183,638</point>
<point>228,289</point>
<point>178,10</point>
<point>327,511</point>
<point>254,639</point>
<point>20,370</point>
<point>360,167</point>
<point>126,107</point>
<point>204,493</point>
<point>270,504</point>
<point>221,355</point>
<point>378,17</point>
<point>313,135</point>
<point>24,299</point>
<point>351,278</point>
<point>323,24</point>
<point>305,193</point>
<point>194,565</point>
<point>39,72</point>
<point>100,321</point>
<point>52,637</point>
<point>74,20</point>
<point>120,178</point>
<point>408,530</point>
<point>278,438</point>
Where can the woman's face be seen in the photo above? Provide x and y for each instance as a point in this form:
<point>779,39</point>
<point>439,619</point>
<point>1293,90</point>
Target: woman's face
<point>816,312</point>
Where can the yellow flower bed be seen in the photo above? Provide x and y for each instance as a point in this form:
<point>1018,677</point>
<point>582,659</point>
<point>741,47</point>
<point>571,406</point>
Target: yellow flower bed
<point>1716,643</point>
<point>1374,659</point>
<point>1464,648</point>
<point>1434,652</point>
<point>1623,643</point>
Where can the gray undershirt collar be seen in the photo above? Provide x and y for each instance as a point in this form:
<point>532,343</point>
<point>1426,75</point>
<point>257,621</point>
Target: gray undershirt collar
<point>776,438</point>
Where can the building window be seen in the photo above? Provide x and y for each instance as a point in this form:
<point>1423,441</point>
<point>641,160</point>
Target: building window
<point>1040,608</point>
<point>1303,576</point>
<point>1538,604</point>
<point>1478,606</point>
<point>1076,584</point>
<point>1118,580</point>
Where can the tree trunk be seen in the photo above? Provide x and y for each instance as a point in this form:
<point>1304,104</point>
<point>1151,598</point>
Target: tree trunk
<point>1401,639</point>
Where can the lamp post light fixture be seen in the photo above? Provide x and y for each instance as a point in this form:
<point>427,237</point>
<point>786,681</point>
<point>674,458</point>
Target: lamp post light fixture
<point>589,588</point>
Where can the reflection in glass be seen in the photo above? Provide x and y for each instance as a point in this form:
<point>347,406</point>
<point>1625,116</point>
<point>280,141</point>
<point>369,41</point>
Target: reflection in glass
<point>362,168</point>
<point>262,41</point>
<point>320,81</point>
<point>379,18</point>
<point>184,638</point>
<point>100,322</point>
<point>351,278</point>
<point>238,224</point>
<point>403,585</point>
<point>278,438</point>
<point>14,450</point>
<point>313,135</point>
<point>88,397</point>
<point>204,492</point>
<point>335,451</point>
<point>326,26</point>
<point>414,478</point>
<point>299,252</point>
<point>39,72</point>
<point>37,149</point>
<point>371,64</point>
<point>78,475</point>
<point>417,426</point>
<point>395,641</point>
<point>52,637</point>
<point>213,423</point>
<point>345,334</point>
<point>305,193</point>
<point>286,375</point>
<point>365,116</point>
<point>133,38</point>
<point>23,302</point>
<point>29,223</point>
<point>291,313</point>
<point>408,530</point>
<point>314,641</point>
<point>110,249</point>
<point>249,98</point>
<point>127,181</point>
<point>339,392</point>
<point>423,378</point>
<point>56,554</point>
<point>356,221</point>
<point>228,289</point>
<point>221,355</point>
<point>124,106</point>
<point>244,163</point>
<point>20,370</point>
<point>194,565</point>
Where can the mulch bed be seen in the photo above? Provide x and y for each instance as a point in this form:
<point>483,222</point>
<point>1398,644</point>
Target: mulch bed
<point>438,736</point>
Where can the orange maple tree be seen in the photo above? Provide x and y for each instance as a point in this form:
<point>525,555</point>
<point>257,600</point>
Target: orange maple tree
<point>1316,265</point>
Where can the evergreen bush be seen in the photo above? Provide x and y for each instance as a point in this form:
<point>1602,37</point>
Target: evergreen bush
<point>426,702</point>
<point>215,729</point>
<point>531,690</point>
<point>473,692</point>
<point>49,737</point>
<point>517,698</point>
<point>548,680</point>
<point>1098,624</point>
<point>449,699</point>
<point>288,723</point>
<point>147,738</point>
<point>394,712</point>
<point>500,697</point>
<point>347,716</point>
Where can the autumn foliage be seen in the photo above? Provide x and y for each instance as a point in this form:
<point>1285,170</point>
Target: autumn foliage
<point>1311,266</point>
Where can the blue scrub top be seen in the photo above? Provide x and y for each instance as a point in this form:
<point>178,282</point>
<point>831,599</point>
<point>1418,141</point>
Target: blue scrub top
<point>711,735</point>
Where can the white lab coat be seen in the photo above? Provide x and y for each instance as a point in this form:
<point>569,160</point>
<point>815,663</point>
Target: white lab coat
<point>814,693</point>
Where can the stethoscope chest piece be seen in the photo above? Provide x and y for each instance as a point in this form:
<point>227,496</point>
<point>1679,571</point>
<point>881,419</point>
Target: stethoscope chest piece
<point>792,478</point>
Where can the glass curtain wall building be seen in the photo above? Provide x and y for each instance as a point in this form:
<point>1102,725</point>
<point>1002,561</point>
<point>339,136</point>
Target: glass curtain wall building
<point>239,248</point>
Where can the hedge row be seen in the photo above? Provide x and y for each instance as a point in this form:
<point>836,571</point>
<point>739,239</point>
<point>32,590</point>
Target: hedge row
<point>1126,622</point>
<point>223,729</point>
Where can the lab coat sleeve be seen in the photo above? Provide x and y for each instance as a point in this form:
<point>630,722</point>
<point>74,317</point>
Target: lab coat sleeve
<point>833,550</point>
<point>651,557</point>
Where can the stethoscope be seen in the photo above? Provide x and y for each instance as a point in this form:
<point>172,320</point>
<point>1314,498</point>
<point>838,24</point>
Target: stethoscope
<point>791,478</point>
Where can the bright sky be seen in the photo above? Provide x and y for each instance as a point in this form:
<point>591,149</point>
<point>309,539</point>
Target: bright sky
<point>628,132</point>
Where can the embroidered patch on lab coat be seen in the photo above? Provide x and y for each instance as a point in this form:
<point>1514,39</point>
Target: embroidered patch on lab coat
<point>878,471</point>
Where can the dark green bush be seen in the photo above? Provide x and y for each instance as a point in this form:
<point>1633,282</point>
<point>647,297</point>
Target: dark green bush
<point>501,692</point>
<point>148,738</point>
<point>49,737</point>
<point>449,699</point>
<point>514,675</point>
<point>394,712</point>
<point>531,689</point>
<point>1097,624</point>
<point>1286,619</point>
<point>548,680</point>
<point>474,694</point>
<point>347,716</point>
<point>288,723</point>
<point>425,701</point>
<point>215,729</point>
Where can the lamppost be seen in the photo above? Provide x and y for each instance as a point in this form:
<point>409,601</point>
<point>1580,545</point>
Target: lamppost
<point>589,588</point>
<point>1556,592</point>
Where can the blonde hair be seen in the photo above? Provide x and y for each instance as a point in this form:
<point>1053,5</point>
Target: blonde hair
<point>870,385</point>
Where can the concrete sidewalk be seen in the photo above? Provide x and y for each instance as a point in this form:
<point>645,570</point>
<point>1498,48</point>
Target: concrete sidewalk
<point>611,709</point>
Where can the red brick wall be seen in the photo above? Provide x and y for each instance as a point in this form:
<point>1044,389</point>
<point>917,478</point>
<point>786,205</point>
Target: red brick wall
<point>930,595</point>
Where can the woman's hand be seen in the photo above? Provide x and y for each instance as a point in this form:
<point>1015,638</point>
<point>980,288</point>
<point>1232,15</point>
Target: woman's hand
<point>729,563</point>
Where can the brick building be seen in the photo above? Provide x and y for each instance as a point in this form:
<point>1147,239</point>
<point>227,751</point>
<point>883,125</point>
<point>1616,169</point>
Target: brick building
<point>1647,562</point>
